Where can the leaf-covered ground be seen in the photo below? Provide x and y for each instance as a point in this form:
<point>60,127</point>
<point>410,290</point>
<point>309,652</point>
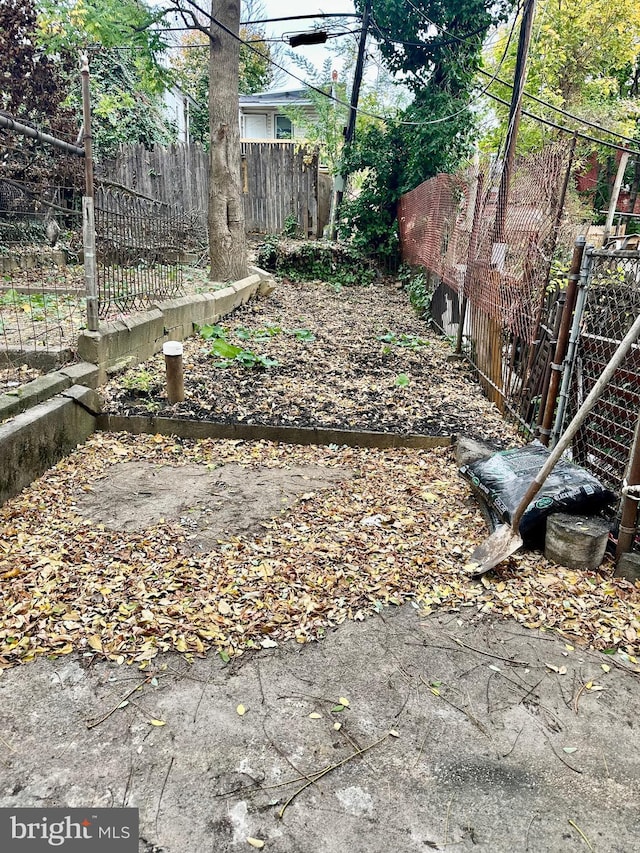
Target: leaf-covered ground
<point>400,528</point>
<point>352,358</point>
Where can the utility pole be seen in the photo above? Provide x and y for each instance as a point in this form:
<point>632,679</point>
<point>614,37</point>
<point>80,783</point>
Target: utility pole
<point>353,114</point>
<point>512,131</point>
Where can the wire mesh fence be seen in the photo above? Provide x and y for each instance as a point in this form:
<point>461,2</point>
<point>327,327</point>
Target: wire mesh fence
<point>492,268</point>
<point>142,246</point>
<point>612,304</point>
<point>42,304</point>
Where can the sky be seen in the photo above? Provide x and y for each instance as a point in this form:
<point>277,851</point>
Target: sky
<point>316,54</point>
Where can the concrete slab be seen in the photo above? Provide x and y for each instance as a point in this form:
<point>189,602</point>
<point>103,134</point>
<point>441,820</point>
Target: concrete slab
<point>458,736</point>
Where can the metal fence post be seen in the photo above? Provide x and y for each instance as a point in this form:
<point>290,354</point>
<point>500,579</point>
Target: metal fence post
<point>88,211</point>
<point>583,282</point>
<point>558,365</point>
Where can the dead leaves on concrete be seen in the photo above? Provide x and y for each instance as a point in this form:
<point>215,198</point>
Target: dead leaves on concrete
<point>401,529</point>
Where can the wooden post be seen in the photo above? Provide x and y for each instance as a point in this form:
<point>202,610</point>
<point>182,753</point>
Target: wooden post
<point>172,351</point>
<point>615,193</point>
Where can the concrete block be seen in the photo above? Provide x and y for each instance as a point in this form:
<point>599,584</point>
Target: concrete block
<point>468,450</point>
<point>628,567</point>
<point>88,398</point>
<point>82,373</point>
<point>35,440</point>
<point>575,541</point>
<point>225,300</point>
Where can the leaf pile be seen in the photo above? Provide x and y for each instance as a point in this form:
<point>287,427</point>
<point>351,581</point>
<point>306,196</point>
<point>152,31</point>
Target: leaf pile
<point>361,360</point>
<point>401,529</point>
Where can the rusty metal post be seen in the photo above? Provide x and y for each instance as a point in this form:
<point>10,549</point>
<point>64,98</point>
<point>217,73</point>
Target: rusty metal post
<point>628,520</point>
<point>88,210</point>
<point>557,365</point>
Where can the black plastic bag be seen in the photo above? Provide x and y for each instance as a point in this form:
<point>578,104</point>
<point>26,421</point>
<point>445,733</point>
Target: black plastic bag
<point>503,479</point>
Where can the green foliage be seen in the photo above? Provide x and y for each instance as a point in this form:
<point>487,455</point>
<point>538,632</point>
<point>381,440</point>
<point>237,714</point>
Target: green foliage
<point>337,264</point>
<point>435,131</point>
<point>412,342</point>
<point>227,353</point>
<point>416,283</point>
<point>190,67</point>
<point>140,382</point>
<point>584,58</point>
<point>290,227</point>
<point>402,381</point>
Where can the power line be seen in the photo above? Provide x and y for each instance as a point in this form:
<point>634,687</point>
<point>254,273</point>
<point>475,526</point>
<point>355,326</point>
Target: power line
<point>528,95</point>
<point>567,129</point>
<point>559,110</point>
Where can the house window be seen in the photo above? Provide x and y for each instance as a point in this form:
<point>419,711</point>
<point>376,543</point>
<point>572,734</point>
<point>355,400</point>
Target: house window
<point>284,128</point>
<point>255,126</point>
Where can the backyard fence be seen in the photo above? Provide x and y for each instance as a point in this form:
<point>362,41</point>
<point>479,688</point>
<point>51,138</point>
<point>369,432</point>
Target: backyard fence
<point>141,247</point>
<point>281,181</point>
<point>42,303</point>
<point>499,284</point>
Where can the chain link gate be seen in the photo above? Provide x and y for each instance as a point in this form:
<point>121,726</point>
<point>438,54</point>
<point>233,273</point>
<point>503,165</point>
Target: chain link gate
<point>607,305</point>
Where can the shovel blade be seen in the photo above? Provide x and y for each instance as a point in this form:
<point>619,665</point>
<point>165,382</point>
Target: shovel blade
<point>503,542</point>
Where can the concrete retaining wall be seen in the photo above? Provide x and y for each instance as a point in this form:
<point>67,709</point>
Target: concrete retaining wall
<point>35,440</point>
<point>123,343</point>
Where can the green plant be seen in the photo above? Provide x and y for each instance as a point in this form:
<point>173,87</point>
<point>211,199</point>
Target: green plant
<point>403,340</point>
<point>140,381</point>
<point>402,381</point>
<point>416,283</point>
<point>227,353</point>
<point>290,226</point>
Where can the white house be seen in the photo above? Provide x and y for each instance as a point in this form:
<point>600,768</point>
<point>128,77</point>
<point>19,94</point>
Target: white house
<point>264,116</point>
<point>177,107</point>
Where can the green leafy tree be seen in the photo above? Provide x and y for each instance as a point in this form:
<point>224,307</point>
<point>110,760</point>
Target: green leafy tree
<point>434,47</point>
<point>584,58</point>
<point>191,69</point>
<point>32,89</point>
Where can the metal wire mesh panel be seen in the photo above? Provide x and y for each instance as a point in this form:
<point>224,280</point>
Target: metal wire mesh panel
<point>42,304</point>
<point>612,304</point>
<point>140,246</point>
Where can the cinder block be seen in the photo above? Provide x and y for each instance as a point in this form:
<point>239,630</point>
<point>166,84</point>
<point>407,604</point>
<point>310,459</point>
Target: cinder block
<point>628,566</point>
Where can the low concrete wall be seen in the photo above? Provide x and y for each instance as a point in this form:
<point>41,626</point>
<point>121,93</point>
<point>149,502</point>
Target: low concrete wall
<point>35,440</point>
<point>31,393</point>
<point>127,342</point>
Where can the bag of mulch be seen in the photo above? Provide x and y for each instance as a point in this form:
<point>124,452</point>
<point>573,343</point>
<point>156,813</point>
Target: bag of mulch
<point>503,479</point>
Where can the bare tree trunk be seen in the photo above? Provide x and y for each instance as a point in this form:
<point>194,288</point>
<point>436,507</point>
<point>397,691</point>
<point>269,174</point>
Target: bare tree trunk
<point>227,239</point>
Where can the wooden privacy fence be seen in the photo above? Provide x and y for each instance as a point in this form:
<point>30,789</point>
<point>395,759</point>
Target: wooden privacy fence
<point>280,179</point>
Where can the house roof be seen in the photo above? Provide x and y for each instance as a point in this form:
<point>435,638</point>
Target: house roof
<point>288,98</point>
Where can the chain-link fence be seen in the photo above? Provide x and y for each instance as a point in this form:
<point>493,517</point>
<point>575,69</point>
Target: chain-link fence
<point>611,304</point>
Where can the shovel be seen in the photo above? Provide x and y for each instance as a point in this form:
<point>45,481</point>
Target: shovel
<point>506,539</point>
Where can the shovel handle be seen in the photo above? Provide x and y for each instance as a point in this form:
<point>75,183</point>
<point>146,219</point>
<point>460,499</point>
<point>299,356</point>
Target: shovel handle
<point>577,421</point>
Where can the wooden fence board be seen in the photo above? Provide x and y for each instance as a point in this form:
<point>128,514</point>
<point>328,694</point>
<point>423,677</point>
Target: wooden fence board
<point>279,179</point>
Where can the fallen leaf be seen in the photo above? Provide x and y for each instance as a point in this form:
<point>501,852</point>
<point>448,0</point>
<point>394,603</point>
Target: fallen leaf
<point>337,726</point>
<point>605,667</point>
<point>343,701</point>
<point>255,842</point>
<point>157,722</point>
<point>241,710</point>
<point>569,749</point>
<point>95,642</point>
<point>315,716</point>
